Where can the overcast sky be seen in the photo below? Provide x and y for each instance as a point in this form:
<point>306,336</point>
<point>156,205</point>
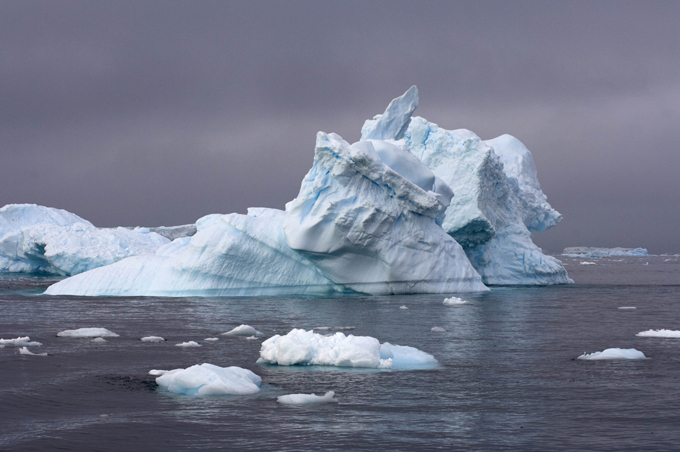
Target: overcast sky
<point>157,113</point>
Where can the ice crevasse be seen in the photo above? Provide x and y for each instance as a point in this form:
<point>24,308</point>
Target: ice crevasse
<point>378,216</point>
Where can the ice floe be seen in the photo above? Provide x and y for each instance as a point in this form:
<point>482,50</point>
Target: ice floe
<point>438,329</point>
<point>24,341</point>
<point>626,307</point>
<point>209,379</point>
<point>25,351</point>
<point>614,353</point>
<point>211,339</point>
<point>188,344</point>
<point>152,339</point>
<point>157,372</point>
<point>99,340</point>
<point>307,399</point>
<point>300,347</point>
<point>588,263</point>
<point>243,330</point>
<point>403,307</point>
<point>659,333</point>
<point>87,332</point>
<point>454,301</point>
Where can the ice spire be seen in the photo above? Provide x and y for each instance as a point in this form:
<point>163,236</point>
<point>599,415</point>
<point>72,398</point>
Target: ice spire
<point>392,124</point>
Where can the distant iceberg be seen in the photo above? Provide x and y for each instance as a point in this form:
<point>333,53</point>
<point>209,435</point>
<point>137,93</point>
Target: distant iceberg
<point>614,353</point>
<point>307,399</point>
<point>584,251</point>
<point>410,208</point>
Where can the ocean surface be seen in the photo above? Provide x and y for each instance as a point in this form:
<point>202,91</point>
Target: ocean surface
<point>507,380</point>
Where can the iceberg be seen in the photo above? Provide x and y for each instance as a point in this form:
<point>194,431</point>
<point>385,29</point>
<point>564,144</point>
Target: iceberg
<point>584,251</point>
<point>23,341</point>
<point>152,339</point>
<point>300,347</point>
<point>38,239</point>
<point>87,332</point>
<point>307,399</point>
<point>243,330</point>
<point>189,344</point>
<point>659,333</point>
<point>26,351</point>
<point>614,353</point>
<point>209,380</point>
<point>498,200</point>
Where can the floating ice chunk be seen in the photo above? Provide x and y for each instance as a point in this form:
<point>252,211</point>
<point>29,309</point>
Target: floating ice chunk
<point>659,333</point>
<point>588,263</point>
<point>627,307</point>
<point>208,379</point>
<point>403,307</point>
<point>23,341</point>
<point>152,339</point>
<point>252,338</point>
<point>25,351</point>
<point>188,344</point>
<point>454,301</point>
<point>87,332</point>
<point>99,340</point>
<point>211,339</point>
<point>309,348</point>
<point>307,399</point>
<point>438,329</point>
<point>157,372</point>
<point>243,330</point>
<point>614,353</point>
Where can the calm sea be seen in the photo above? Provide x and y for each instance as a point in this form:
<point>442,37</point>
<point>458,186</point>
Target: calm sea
<point>508,379</point>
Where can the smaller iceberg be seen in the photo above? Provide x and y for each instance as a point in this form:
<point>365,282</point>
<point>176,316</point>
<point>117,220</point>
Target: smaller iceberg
<point>25,351</point>
<point>209,380</point>
<point>188,344</point>
<point>455,301</point>
<point>659,333</point>
<point>584,251</point>
<point>243,330</point>
<point>152,339</point>
<point>614,353</point>
<point>23,341</point>
<point>438,329</point>
<point>307,399</point>
<point>87,332</point>
<point>38,239</point>
<point>300,347</point>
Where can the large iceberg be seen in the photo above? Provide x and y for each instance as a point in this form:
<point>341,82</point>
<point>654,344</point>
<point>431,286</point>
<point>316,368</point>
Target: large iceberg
<point>357,226</point>
<point>38,239</point>
<point>497,201</point>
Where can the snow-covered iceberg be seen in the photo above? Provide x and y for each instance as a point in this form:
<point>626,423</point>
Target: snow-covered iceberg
<point>300,347</point>
<point>584,251</point>
<point>209,380</point>
<point>497,201</point>
<point>38,239</point>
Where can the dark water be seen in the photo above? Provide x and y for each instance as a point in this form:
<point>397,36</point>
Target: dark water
<point>508,379</point>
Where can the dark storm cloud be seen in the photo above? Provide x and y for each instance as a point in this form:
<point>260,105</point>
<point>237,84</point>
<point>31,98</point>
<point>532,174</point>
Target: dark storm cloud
<point>160,112</point>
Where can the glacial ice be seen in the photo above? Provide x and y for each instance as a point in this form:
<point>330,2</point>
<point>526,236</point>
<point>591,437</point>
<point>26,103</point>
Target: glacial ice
<point>497,201</point>
<point>307,399</point>
<point>376,217</point>
<point>23,341</point>
<point>152,339</point>
<point>38,239</point>
<point>614,353</point>
<point>26,351</point>
<point>300,347</point>
<point>209,380</point>
<point>584,251</point>
<point>211,339</point>
<point>87,332</point>
<point>243,330</point>
<point>659,333</point>
<point>438,329</point>
<point>99,340</point>
<point>157,372</point>
<point>188,344</point>
<point>455,301</point>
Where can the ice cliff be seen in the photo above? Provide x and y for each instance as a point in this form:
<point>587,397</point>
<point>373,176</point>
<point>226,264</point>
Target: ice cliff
<point>497,201</point>
<point>584,251</point>
<point>37,239</point>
